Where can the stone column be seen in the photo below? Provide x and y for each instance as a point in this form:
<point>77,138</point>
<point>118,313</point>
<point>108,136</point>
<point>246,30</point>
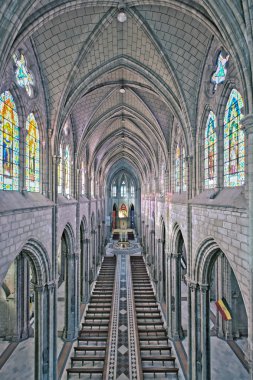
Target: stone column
<point>199,332</point>
<point>170,304</point>
<point>45,332</point>
<point>71,322</point>
<point>52,335</point>
<point>159,270</point>
<point>204,359</point>
<point>247,124</point>
<point>193,330</point>
<point>175,296</point>
<point>22,298</point>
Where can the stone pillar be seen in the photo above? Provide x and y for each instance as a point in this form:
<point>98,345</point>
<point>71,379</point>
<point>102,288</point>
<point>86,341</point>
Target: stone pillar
<point>169,296</point>
<point>193,330</point>
<point>159,270</point>
<point>52,335</point>
<point>174,299</point>
<point>71,322</point>
<point>22,298</point>
<point>204,358</point>
<point>45,332</point>
<point>85,271</point>
<point>199,332</point>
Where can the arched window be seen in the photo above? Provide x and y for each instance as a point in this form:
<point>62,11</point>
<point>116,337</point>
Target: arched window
<point>178,169</point>
<point>67,170</point>
<point>123,189</point>
<point>60,169</point>
<point>9,143</point>
<point>210,162</point>
<point>114,190</point>
<point>32,154</point>
<point>83,179</point>
<point>132,190</point>
<point>234,142</point>
<point>184,171</point>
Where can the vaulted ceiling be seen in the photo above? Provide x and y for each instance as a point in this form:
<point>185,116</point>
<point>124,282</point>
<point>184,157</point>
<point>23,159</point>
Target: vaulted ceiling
<point>158,55</point>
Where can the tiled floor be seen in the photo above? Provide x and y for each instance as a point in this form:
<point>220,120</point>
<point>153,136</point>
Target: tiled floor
<point>21,361</point>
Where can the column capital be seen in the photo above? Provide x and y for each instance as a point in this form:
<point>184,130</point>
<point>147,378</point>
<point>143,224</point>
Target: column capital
<point>204,288</point>
<point>192,284</point>
<point>247,124</point>
<point>51,285</point>
<point>39,288</point>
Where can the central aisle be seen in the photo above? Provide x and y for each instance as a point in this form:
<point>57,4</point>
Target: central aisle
<point>123,345</point>
<point>123,336</point>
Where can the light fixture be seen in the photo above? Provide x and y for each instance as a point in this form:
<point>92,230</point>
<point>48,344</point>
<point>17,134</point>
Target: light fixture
<point>122,15</point>
<point>122,90</point>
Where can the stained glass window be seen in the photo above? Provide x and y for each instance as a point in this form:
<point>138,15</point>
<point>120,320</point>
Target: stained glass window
<point>177,169</point>
<point>210,162</point>
<point>9,143</point>
<point>32,154</point>
<point>184,171</point>
<point>234,143</point>
<point>220,73</point>
<point>60,168</point>
<point>23,76</point>
<point>67,170</point>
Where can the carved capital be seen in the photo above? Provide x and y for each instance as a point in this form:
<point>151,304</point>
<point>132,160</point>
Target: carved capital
<point>204,288</point>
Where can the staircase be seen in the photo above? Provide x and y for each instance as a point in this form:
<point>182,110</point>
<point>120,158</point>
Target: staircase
<point>88,361</point>
<point>156,357</point>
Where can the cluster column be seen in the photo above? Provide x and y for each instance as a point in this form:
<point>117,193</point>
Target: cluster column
<point>174,296</point>
<point>71,313</point>
<point>199,332</point>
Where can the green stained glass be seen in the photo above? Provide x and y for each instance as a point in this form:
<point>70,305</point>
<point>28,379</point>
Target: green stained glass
<point>32,154</point>
<point>234,142</point>
<point>210,152</point>
<point>23,76</point>
<point>9,143</point>
<point>220,73</point>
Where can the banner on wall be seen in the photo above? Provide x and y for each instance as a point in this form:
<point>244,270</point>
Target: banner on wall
<point>108,221</point>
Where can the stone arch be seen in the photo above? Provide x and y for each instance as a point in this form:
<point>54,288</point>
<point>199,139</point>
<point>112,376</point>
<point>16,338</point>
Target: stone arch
<point>176,258</point>
<point>209,254</point>
<point>70,257</point>
<point>33,255</point>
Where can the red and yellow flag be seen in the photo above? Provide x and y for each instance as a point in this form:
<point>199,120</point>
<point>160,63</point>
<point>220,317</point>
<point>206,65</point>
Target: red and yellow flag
<point>224,309</point>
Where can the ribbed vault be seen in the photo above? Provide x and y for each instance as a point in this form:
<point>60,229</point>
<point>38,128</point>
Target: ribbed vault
<point>158,56</point>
